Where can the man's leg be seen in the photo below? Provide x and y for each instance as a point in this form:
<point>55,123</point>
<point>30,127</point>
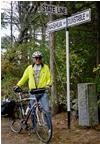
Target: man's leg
<point>45,106</point>
<point>32,115</point>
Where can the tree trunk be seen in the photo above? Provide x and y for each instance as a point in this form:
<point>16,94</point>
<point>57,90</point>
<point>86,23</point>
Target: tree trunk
<point>11,30</point>
<point>26,23</point>
<point>98,32</point>
<point>54,92</point>
<point>98,44</point>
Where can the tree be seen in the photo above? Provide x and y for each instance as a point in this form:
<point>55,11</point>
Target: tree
<point>54,92</point>
<point>97,15</point>
<point>25,19</point>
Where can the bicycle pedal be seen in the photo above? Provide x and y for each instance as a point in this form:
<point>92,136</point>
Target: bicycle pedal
<point>23,126</point>
<point>27,128</point>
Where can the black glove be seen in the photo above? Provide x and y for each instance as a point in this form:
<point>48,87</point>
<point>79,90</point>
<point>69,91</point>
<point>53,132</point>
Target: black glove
<point>15,87</point>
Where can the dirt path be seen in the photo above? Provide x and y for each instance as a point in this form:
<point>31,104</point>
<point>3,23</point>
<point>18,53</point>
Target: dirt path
<point>61,135</point>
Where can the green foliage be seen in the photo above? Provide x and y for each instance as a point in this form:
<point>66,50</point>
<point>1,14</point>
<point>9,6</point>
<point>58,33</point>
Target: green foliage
<point>97,78</point>
<point>97,69</point>
<point>82,127</point>
<point>7,85</point>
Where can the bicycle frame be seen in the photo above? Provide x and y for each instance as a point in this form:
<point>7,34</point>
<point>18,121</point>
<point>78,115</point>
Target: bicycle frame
<point>36,104</point>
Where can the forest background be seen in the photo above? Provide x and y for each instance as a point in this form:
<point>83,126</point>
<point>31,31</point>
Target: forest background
<point>26,18</point>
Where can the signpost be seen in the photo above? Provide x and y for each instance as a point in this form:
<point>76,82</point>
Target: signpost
<point>47,8</point>
<point>75,19</point>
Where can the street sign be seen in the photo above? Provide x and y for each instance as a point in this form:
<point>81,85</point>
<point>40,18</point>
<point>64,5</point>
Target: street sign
<point>56,25</point>
<point>47,8</point>
<point>75,19</point>
<point>79,18</point>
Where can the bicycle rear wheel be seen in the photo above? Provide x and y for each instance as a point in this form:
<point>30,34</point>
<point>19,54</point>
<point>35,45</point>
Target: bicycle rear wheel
<point>15,121</point>
<point>43,125</point>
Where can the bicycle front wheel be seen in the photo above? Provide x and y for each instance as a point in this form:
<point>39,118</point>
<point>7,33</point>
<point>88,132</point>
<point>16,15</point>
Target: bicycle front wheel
<point>15,121</point>
<point>43,125</point>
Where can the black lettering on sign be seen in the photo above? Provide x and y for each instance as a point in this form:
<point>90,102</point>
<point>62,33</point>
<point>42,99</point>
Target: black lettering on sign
<point>83,16</point>
<point>77,18</point>
<point>48,9</point>
<point>55,25</point>
<point>43,8</point>
<point>61,10</point>
<point>53,10</point>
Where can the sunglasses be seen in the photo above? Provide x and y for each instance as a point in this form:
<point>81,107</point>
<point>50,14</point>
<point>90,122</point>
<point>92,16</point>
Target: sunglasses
<point>38,58</point>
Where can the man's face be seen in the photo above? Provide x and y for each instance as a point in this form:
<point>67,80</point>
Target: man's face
<point>37,60</point>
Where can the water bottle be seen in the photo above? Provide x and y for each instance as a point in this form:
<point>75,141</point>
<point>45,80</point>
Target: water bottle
<point>27,110</point>
<point>7,100</point>
<point>4,99</point>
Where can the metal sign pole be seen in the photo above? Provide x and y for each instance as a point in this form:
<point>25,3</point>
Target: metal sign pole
<point>68,81</point>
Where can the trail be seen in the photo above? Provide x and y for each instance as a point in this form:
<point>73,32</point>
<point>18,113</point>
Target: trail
<point>61,135</point>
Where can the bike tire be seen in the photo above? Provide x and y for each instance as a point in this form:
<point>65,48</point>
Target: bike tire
<point>43,130</point>
<point>15,121</point>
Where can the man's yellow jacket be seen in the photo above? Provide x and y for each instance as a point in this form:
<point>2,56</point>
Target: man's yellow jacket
<point>45,77</point>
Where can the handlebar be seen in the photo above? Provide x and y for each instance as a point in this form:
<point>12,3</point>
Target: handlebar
<point>32,91</point>
<point>37,91</point>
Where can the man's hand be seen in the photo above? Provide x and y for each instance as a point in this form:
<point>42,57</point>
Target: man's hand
<point>47,87</point>
<point>15,87</point>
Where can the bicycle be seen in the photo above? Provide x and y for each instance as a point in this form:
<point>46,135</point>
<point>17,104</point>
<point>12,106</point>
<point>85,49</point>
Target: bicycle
<point>19,121</point>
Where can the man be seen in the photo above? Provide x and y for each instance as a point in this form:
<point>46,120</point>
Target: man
<point>38,76</point>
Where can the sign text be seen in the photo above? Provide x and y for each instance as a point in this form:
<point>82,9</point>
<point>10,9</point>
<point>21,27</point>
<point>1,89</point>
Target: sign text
<point>46,8</point>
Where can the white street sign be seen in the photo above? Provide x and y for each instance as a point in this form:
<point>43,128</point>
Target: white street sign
<point>47,8</point>
<point>79,18</point>
<point>56,25</point>
<point>76,19</point>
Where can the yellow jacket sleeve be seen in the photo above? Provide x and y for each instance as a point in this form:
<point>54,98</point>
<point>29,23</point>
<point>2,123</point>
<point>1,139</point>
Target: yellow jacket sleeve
<point>49,78</point>
<point>24,77</point>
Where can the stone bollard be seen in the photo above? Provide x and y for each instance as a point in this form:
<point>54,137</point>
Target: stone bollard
<point>87,104</point>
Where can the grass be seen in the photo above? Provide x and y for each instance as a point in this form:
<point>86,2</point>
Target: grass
<point>82,127</point>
